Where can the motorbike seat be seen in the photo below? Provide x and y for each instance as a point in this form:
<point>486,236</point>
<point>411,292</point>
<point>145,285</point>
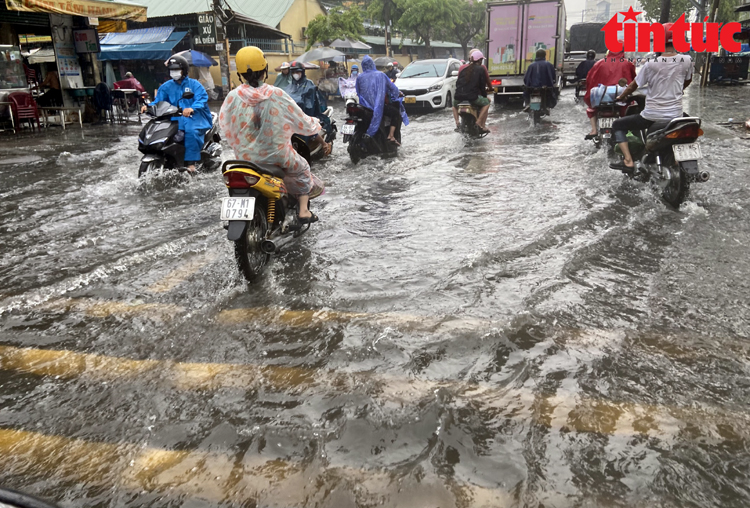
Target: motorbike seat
<point>657,126</point>
<point>268,169</point>
<point>662,125</point>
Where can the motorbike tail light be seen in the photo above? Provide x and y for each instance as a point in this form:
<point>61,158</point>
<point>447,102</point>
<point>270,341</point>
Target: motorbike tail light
<point>237,180</point>
<point>497,82</point>
<point>352,108</point>
<point>691,131</point>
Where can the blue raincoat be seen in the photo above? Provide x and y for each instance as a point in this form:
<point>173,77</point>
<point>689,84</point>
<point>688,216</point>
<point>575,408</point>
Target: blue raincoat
<point>195,126</point>
<point>373,87</point>
<point>303,93</point>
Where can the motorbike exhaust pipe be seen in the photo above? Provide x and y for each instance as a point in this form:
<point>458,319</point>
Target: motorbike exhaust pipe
<point>275,245</point>
<point>703,176</point>
<point>268,246</point>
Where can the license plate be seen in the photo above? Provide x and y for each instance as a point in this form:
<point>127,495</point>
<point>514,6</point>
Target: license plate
<point>606,123</point>
<point>687,152</point>
<point>536,100</point>
<point>348,129</point>
<point>410,100</point>
<point>237,208</point>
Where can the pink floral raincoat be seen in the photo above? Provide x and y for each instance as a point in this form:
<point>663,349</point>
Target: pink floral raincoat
<point>258,123</point>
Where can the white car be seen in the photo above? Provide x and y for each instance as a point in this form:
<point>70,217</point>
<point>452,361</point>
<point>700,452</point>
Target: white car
<point>429,84</point>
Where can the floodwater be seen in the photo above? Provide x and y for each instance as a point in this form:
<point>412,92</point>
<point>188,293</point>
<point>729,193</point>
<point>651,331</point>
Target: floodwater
<point>503,322</point>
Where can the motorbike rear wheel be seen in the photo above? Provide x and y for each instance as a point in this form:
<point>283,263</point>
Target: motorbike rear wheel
<point>250,257</point>
<point>354,150</point>
<point>677,187</point>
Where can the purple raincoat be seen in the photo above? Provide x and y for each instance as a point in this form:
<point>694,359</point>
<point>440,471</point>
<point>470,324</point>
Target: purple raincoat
<point>373,87</point>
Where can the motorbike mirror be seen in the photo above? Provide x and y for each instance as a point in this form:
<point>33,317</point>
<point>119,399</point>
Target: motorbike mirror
<point>454,73</point>
<point>188,95</point>
<point>398,75</point>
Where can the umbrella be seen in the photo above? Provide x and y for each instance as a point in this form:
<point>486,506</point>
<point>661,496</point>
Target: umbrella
<point>382,61</point>
<point>306,65</point>
<point>320,54</point>
<point>196,58</point>
<point>349,44</point>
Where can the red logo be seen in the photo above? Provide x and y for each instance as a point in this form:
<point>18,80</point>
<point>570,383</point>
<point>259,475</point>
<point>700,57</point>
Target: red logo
<point>655,32</point>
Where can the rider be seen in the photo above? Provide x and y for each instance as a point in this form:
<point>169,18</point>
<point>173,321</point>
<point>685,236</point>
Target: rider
<point>471,85</point>
<point>283,78</point>
<point>258,121</point>
<point>378,93</point>
<point>539,74</point>
<point>608,72</point>
<point>391,71</point>
<point>584,67</point>
<point>196,117</point>
<point>303,91</point>
<point>666,77</point>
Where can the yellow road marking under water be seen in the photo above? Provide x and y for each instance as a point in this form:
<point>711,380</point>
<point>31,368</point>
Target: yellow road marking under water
<point>213,476</point>
<point>105,308</point>
<point>562,410</point>
<point>181,274</point>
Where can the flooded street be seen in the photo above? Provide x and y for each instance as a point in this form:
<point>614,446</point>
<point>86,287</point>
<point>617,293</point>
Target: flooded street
<point>492,323</point>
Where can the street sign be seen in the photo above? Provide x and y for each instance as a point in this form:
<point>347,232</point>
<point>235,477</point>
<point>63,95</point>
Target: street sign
<point>206,30</point>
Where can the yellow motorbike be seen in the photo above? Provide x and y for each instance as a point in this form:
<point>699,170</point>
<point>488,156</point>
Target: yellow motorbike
<point>261,216</point>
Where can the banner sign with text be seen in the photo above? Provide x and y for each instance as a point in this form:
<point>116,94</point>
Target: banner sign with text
<point>86,8</point>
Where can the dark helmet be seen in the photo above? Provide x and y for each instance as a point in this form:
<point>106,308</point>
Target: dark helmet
<point>590,54</point>
<point>178,62</point>
<point>297,66</point>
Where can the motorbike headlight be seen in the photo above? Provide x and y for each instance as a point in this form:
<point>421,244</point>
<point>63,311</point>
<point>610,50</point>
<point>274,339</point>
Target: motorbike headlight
<point>161,140</point>
<point>435,87</point>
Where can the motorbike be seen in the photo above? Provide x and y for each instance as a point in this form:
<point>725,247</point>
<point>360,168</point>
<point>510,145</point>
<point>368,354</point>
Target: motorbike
<point>580,89</point>
<point>468,114</point>
<point>261,215</point>
<point>162,147</point>
<point>308,147</point>
<point>355,133</point>
<point>538,104</point>
<point>667,154</point>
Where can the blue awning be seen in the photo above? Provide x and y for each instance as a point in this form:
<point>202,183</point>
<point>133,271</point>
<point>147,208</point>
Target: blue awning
<point>138,36</point>
<point>154,51</point>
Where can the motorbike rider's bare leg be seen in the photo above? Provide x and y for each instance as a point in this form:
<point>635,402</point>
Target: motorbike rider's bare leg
<point>627,159</point>
<point>191,169</point>
<point>482,119</point>
<point>303,211</point>
<point>392,135</point>
<point>593,126</point>
<point>455,116</point>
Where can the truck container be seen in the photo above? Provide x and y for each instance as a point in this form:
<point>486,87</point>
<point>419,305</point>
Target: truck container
<point>515,31</point>
<point>583,37</point>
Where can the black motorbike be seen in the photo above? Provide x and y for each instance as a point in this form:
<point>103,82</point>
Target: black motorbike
<point>667,154</point>
<point>355,133</point>
<point>468,115</point>
<point>162,147</point>
<point>261,216</point>
<point>538,103</point>
<point>310,149</point>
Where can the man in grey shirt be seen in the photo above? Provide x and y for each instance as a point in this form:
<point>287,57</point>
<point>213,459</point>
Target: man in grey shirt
<point>666,78</point>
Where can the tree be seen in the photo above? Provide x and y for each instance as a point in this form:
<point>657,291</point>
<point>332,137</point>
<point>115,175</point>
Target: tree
<point>652,9</point>
<point>469,24</point>
<point>425,18</point>
<point>336,25</point>
<point>385,11</point>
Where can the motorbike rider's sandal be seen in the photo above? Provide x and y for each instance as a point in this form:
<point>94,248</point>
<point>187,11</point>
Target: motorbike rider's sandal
<point>590,136</point>
<point>307,220</point>
<point>621,166</point>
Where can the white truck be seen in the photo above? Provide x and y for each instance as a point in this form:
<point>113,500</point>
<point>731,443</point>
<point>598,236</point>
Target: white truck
<point>515,31</point>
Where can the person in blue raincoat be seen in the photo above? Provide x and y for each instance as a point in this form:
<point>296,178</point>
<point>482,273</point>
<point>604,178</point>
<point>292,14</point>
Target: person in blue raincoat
<point>196,117</point>
<point>378,93</point>
<point>304,92</point>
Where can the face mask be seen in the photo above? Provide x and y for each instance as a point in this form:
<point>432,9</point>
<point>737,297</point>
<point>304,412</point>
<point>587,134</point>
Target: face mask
<point>354,73</point>
<point>297,76</point>
<point>176,75</point>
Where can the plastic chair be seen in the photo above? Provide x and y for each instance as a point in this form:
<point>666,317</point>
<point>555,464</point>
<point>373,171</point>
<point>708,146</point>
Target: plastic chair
<point>23,106</point>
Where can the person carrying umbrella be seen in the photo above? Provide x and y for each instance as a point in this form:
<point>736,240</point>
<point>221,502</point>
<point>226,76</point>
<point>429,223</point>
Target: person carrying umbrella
<point>196,117</point>
<point>283,78</point>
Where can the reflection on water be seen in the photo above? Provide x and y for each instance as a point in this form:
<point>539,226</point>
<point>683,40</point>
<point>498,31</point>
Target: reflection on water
<point>503,322</point>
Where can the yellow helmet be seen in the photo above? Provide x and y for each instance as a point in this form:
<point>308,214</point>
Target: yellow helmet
<point>250,59</point>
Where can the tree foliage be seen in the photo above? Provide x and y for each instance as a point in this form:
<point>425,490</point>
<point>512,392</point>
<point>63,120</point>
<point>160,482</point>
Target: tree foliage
<point>426,19</point>
<point>692,9</point>
<point>336,25</point>
<point>469,24</point>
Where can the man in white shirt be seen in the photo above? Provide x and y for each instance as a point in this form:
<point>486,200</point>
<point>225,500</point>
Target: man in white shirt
<point>666,77</point>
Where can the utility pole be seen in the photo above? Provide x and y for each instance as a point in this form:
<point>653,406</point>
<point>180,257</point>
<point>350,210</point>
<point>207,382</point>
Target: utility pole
<point>707,64</point>
<point>387,16</point>
<point>666,6</point>
<point>222,47</point>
